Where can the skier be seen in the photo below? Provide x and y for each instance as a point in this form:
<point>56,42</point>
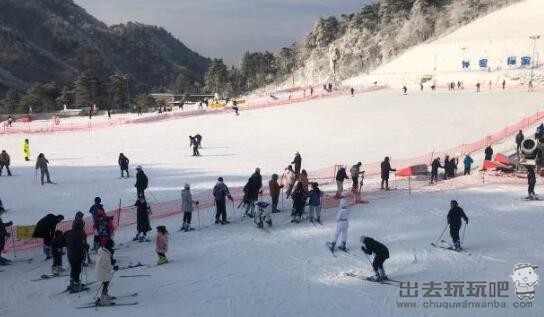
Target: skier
<point>141,182</point>
<point>274,189</point>
<point>315,203</point>
<point>262,215</point>
<point>519,139</point>
<point>4,234</point>
<point>540,131</point>
<point>235,107</point>
<point>340,177</point>
<point>75,242</point>
<point>355,171</point>
<point>194,144</point>
<point>435,165</point>
<point>96,209</point>
<point>488,153</point>
<point>187,207</point>
<point>142,220</point>
<point>45,229</point>
<point>198,139</point>
<point>299,201</point>
<point>503,84</point>
<point>79,218</point>
<point>161,245</point>
<point>220,192</point>
<point>342,224</point>
<point>123,164</point>
<point>303,178</point>
<point>289,175</point>
<point>26,150</point>
<point>352,91</point>
<point>381,253</point>
<point>450,165</point>
<point>454,220</point>
<point>531,181</point>
<point>297,161</point>
<point>41,163</point>
<point>404,90</point>
<point>105,266</point>
<point>252,189</point>
<point>385,169</point>
<point>56,250</point>
<point>477,87</point>
<point>468,163</point>
<point>4,161</point>
<point>421,86</point>
<point>105,228</point>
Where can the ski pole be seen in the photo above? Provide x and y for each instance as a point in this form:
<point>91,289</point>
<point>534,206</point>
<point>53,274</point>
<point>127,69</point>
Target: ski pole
<point>464,230</point>
<point>13,243</point>
<point>446,227</point>
<point>198,215</point>
<point>151,193</point>
<point>233,209</point>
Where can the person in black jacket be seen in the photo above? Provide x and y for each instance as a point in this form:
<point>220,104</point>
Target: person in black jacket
<point>381,254</point>
<point>385,169</point>
<point>252,190</point>
<point>45,229</point>
<point>3,237</point>
<point>519,139</point>
<point>75,241</point>
<point>141,182</point>
<point>297,161</point>
<point>299,201</point>
<point>142,220</point>
<point>341,175</point>
<point>455,215</point>
<point>531,182</point>
<point>488,153</point>
<point>220,193</point>
<point>123,164</point>
<point>435,165</point>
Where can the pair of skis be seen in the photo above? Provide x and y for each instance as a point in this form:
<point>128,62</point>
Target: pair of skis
<point>449,248</point>
<point>371,279</point>
<point>329,246</point>
<point>96,304</point>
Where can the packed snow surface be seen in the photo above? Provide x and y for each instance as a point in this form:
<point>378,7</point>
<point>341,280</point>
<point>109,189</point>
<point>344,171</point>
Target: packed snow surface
<point>340,130</point>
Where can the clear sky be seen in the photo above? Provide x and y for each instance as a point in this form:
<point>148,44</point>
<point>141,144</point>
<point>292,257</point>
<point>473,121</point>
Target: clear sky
<point>225,28</point>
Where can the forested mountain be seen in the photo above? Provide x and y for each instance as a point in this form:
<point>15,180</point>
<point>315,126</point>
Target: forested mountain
<point>55,41</point>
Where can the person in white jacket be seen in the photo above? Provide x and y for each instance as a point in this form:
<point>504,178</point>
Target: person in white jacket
<point>105,266</point>
<point>342,223</point>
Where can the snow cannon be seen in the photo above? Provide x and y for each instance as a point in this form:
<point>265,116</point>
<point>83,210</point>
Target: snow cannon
<point>529,150</point>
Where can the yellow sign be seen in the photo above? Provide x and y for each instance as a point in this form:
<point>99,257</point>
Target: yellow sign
<point>217,105</point>
<point>25,232</point>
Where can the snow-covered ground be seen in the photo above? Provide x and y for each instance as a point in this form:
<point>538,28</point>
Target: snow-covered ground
<point>343,130</point>
<point>238,270</point>
<point>495,37</point>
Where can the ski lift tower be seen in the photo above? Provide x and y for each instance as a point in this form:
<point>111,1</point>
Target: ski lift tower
<point>534,38</point>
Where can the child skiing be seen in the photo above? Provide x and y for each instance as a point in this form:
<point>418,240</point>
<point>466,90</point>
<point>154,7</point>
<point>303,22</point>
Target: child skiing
<point>105,266</point>
<point>123,164</point>
<point>162,245</point>
<point>342,223</point>
<point>454,220</point>
<point>381,254</point>
<point>315,203</point>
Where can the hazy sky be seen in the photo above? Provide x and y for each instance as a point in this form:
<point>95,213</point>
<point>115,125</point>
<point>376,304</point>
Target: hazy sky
<point>221,28</point>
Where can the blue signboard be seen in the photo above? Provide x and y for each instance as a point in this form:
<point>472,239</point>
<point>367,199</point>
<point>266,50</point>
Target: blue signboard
<point>483,63</point>
<point>512,60</point>
<point>525,61</point>
<point>466,64</point>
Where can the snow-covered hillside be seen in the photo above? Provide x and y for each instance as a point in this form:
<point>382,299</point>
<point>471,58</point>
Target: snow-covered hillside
<point>340,130</point>
<point>495,37</point>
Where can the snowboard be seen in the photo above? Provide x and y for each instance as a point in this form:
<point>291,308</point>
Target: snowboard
<point>48,277</point>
